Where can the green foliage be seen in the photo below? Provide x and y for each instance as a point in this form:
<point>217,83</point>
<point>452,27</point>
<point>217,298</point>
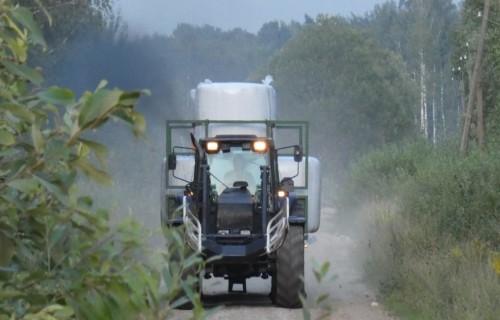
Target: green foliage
<point>69,26</point>
<point>354,94</point>
<point>460,194</point>
<point>380,173</point>
<point>420,33</point>
<point>60,257</point>
<point>424,274</point>
<point>435,234</point>
<point>322,303</point>
<point>60,21</point>
<point>182,275</point>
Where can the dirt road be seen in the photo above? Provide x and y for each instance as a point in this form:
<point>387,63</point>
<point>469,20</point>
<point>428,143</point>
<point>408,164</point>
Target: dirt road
<point>347,293</point>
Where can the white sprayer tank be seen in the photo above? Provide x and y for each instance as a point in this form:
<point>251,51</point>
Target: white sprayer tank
<point>234,101</point>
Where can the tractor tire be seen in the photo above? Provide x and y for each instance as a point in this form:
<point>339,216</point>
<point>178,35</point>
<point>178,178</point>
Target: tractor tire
<point>288,278</point>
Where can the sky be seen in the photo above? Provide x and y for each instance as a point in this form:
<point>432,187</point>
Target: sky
<point>162,16</point>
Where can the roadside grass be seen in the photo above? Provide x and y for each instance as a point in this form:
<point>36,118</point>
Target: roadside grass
<point>433,230</point>
<point>421,276</point>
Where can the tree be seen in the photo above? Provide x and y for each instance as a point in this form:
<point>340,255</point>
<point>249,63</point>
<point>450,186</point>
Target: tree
<point>475,87</point>
<point>70,24</point>
<point>355,95</point>
<point>468,43</point>
<point>275,34</point>
<point>419,31</point>
<point>68,19</point>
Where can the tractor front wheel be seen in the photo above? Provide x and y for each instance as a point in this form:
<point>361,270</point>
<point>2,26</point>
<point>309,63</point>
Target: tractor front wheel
<point>288,278</point>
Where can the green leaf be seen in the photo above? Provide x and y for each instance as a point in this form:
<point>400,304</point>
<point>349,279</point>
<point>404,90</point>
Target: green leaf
<point>56,95</point>
<point>133,119</point>
<point>306,312</point>
<point>139,124</point>
<point>97,106</point>
<point>325,268</point>
<point>17,47</point>
<point>179,302</point>
<point>92,172</point>
<point>322,298</point>
<point>6,138</point>
<point>47,14</point>
<point>24,185</point>
<point>99,150</point>
<point>60,194</point>
<point>57,233</point>
<point>54,311</point>
<point>66,312</point>
<point>19,111</point>
<point>85,202</point>
<point>56,151</point>
<point>102,84</point>
<point>38,140</point>
<point>23,71</point>
<point>52,108</point>
<point>102,214</point>
<point>25,17</point>
<point>130,98</point>
<point>8,293</point>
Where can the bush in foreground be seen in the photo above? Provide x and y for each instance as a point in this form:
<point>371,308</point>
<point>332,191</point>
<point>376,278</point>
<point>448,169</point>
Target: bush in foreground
<point>61,258</point>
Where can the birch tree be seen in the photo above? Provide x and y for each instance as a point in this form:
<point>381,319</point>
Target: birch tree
<point>419,31</point>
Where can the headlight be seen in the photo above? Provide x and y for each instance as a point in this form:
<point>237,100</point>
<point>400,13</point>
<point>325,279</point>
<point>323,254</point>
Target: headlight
<point>212,146</point>
<point>282,194</point>
<point>259,146</point>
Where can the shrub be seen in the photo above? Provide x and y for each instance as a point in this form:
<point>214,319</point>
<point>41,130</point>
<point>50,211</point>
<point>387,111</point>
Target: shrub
<point>380,173</point>
<point>434,248</point>
<point>60,257</point>
<point>462,194</point>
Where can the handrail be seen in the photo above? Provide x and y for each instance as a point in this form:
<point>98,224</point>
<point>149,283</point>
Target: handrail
<point>163,190</point>
<point>276,228</point>
<point>193,227</point>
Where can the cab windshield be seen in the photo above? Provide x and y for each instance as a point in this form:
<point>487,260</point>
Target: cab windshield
<point>236,165</point>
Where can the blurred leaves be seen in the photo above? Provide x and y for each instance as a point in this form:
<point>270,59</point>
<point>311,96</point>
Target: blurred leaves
<point>60,257</point>
<point>322,302</point>
<point>22,71</point>
<point>57,96</point>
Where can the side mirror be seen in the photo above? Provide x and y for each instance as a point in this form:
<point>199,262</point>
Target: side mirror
<point>297,154</point>
<point>172,161</point>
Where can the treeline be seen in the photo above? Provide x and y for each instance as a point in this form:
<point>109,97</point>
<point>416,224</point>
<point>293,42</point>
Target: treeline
<point>415,83</point>
<point>362,82</point>
<point>167,65</point>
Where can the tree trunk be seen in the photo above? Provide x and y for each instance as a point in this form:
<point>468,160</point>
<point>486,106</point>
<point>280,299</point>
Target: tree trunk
<point>442,104</point>
<point>480,124</point>
<point>423,97</point>
<point>434,137</point>
<point>475,79</point>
